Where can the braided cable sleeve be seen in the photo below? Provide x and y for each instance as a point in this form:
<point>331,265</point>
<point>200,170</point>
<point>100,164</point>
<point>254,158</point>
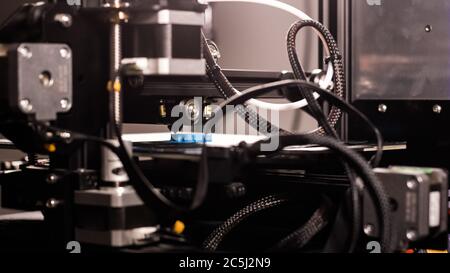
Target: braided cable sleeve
<point>373,183</point>
<point>302,236</point>
<point>336,58</point>
<point>213,241</point>
<point>227,91</point>
<point>327,125</point>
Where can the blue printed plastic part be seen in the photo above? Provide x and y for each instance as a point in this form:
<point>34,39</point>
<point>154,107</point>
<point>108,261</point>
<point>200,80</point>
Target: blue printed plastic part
<point>191,138</point>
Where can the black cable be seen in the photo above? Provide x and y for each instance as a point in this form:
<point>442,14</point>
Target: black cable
<point>331,98</point>
<point>224,85</point>
<point>327,124</point>
<point>143,183</point>
<point>302,236</point>
<point>213,241</point>
<point>227,91</point>
<point>148,193</point>
<point>355,189</point>
<point>374,185</point>
<point>339,74</point>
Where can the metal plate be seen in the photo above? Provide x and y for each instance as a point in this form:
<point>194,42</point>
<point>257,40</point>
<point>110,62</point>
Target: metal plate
<point>400,49</point>
<point>44,80</point>
<point>119,197</point>
<point>117,238</point>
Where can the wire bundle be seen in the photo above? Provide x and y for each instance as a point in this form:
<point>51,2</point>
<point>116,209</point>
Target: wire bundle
<point>355,161</point>
<point>213,241</point>
<point>338,67</point>
<point>302,236</point>
<point>327,123</point>
<point>227,91</point>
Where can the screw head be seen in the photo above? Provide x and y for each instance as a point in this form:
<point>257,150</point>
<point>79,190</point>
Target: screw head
<point>428,28</point>
<point>65,104</point>
<point>26,106</point>
<point>411,235</point>
<point>412,185</point>
<point>52,179</point>
<point>25,52</point>
<point>52,203</point>
<point>369,230</point>
<point>64,19</point>
<point>65,135</point>
<point>382,108</point>
<point>65,53</point>
<point>437,109</point>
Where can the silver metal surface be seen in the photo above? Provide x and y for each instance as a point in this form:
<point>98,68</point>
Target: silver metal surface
<point>112,168</point>
<point>176,17</point>
<point>119,197</point>
<point>116,238</point>
<point>166,66</point>
<point>44,79</point>
<point>17,215</point>
<point>400,50</point>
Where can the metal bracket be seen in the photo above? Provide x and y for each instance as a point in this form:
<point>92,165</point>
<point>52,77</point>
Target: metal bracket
<point>40,79</point>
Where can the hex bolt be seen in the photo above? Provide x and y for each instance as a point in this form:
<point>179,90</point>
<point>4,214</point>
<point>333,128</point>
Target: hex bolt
<point>65,104</point>
<point>65,53</point>
<point>64,19</point>
<point>382,108</point>
<point>437,109</point>
<point>428,28</point>
<point>411,235</point>
<point>52,179</point>
<point>369,230</point>
<point>25,52</point>
<point>52,203</point>
<point>49,135</point>
<point>412,185</point>
<point>65,135</point>
<point>26,106</point>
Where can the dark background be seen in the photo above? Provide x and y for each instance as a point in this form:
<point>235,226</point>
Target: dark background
<point>8,6</point>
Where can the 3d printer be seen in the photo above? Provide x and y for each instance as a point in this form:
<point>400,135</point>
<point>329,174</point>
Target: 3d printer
<point>73,74</point>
